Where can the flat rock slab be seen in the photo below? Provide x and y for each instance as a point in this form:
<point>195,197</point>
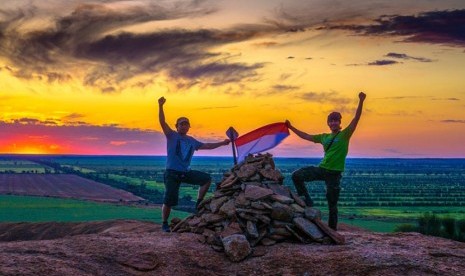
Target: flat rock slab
<point>216,203</point>
<point>252,229</point>
<point>335,236</point>
<point>241,200</point>
<point>195,221</point>
<point>298,200</point>
<point>212,218</point>
<point>282,199</point>
<point>231,229</point>
<point>246,171</point>
<point>256,193</point>
<point>280,189</point>
<point>272,174</point>
<point>282,212</point>
<point>309,228</point>
<point>312,213</point>
<point>228,208</point>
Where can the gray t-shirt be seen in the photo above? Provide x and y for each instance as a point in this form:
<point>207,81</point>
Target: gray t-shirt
<point>180,150</point>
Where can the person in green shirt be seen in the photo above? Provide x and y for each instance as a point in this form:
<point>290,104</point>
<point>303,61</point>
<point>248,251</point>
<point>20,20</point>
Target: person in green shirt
<point>336,147</point>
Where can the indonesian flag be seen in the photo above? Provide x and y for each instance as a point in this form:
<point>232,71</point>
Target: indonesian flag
<point>261,139</point>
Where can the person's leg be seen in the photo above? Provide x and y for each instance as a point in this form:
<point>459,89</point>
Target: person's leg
<point>203,191</point>
<point>170,198</point>
<point>199,178</point>
<point>332,195</point>
<point>300,176</point>
<point>165,213</point>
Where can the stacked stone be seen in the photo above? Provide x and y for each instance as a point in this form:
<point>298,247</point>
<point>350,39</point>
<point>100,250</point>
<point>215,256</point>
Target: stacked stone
<point>251,207</point>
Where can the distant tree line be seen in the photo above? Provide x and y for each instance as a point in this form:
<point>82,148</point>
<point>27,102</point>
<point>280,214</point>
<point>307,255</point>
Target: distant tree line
<point>430,224</point>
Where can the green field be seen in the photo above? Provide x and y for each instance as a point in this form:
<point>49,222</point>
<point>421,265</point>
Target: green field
<point>372,225</point>
<point>184,190</point>
<point>20,166</point>
<point>42,209</point>
<point>402,213</point>
<point>376,194</point>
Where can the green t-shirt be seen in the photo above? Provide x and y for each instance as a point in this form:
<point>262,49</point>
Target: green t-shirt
<point>336,156</point>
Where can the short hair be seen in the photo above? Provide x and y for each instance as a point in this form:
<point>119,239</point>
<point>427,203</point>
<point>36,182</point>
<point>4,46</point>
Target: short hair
<point>336,116</point>
<point>181,120</point>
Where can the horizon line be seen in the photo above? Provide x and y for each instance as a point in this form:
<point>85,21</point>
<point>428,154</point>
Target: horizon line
<point>201,156</point>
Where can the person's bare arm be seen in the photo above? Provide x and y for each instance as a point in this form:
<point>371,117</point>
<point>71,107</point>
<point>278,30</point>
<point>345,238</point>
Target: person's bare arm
<point>214,145</point>
<point>161,116</point>
<point>358,113</point>
<point>299,133</point>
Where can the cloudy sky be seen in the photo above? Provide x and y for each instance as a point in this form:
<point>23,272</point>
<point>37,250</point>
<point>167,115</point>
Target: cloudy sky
<point>83,77</point>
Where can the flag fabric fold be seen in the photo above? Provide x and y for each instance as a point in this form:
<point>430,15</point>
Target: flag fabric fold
<point>261,139</point>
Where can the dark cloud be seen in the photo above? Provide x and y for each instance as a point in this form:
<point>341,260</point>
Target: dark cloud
<point>400,97</point>
<point>453,121</point>
<point>89,38</point>
<point>407,57</point>
<point>284,76</point>
<point>266,44</point>
<point>217,107</point>
<point>73,116</point>
<point>434,27</point>
<point>325,97</point>
<point>280,87</point>
<point>417,97</point>
<point>277,89</point>
<point>445,99</point>
<point>383,62</point>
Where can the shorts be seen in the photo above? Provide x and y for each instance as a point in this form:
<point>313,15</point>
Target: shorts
<point>173,180</point>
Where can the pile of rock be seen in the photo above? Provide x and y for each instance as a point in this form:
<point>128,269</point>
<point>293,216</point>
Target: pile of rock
<point>251,207</point>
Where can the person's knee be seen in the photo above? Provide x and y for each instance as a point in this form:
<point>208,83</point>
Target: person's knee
<point>207,182</point>
<point>297,177</point>
<point>332,207</point>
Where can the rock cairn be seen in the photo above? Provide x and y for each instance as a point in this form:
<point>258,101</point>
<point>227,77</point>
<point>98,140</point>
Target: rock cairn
<point>251,207</point>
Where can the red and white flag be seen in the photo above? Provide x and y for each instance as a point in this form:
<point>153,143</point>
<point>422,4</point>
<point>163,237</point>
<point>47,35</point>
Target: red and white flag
<point>261,139</point>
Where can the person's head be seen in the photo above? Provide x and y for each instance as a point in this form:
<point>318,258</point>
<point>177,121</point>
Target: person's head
<point>334,121</point>
<point>182,125</point>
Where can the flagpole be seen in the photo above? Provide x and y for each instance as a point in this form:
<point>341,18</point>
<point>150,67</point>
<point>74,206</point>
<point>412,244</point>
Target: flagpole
<point>233,146</point>
<point>232,135</point>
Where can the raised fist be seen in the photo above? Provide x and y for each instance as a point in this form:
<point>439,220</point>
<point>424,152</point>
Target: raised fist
<point>362,96</point>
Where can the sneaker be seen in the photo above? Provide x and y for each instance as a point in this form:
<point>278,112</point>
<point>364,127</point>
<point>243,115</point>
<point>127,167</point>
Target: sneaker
<point>165,228</point>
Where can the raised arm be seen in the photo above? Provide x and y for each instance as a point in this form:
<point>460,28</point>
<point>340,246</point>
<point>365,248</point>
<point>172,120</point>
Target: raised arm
<point>161,116</point>
<point>215,145</point>
<point>299,133</point>
<point>358,113</point>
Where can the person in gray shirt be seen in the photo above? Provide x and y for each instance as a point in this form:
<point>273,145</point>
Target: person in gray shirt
<point>180,149</point>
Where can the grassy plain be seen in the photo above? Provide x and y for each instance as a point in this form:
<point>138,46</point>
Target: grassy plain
<point>20,166</point>
<point>377,194</point>
<point>42,209</point>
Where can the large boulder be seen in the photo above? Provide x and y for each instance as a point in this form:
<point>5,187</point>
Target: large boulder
<point>236,247</point>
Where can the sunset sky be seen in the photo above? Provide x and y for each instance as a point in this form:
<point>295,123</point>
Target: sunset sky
<point>83,77</point>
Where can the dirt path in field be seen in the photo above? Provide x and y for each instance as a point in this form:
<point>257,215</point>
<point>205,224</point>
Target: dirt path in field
<point>63,186</point>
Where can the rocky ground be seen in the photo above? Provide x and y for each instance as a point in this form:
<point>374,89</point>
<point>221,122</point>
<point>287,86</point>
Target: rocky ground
<point>140,248</point>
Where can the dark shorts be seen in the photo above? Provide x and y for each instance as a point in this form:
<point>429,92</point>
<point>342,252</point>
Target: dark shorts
<point>173,180</point>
